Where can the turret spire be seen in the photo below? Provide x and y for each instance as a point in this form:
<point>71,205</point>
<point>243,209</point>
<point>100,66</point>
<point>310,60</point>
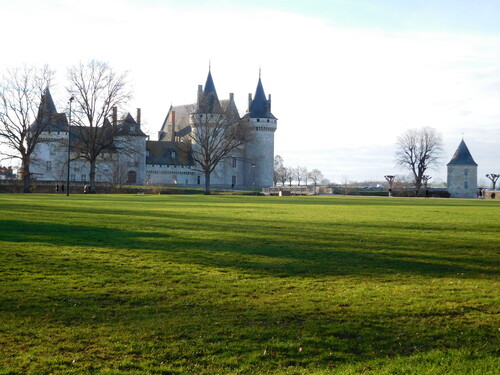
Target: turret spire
<point>260,106</point>
<point>208,101</point>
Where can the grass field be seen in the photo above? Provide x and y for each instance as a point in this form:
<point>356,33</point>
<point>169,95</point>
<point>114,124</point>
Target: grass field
<point>147,284</point>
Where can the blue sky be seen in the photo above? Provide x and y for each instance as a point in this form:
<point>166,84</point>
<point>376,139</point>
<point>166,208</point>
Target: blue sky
<point>346,77</point>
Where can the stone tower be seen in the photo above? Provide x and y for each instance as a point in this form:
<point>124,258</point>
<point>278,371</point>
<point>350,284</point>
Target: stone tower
<point>260,152</point>
<point>462,173</point>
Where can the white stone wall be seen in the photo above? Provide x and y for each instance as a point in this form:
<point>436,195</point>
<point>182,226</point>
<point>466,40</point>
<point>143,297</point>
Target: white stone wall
<point>462,181</point>
<point>261,152</point>
<point>170,175</point>
<point>49,160</point>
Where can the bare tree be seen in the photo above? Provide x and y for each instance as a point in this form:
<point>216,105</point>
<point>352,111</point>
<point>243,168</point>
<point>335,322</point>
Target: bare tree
<point>290,175</point>
<point>216,132</point>
<point>418,150</point>
<point>97,89</point>
<point>493,178</point>
<point>24,114</point>
<point>300,174</point>
<point>283,175</point>
<point>316,176</point>
<point>278,169</point>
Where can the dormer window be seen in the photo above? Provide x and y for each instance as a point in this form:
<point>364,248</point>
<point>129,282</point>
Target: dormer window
<point>173,154</point>
<point>132,128</point>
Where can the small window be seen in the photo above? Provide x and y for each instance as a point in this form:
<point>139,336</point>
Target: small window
<point>72,177</point>
<point>234,162</point>
<point>198,180</point>
<point>84,177</point>
<point>466,172</point>
<point>466,185</point>
<point>48,165</point>
<point>233,181</point>
<point>258,120</point>
<point>173,154</point>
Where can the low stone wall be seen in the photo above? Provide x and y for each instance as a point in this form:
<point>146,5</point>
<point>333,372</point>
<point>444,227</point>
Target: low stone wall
<point>492,194</point>
<point>290,190</point>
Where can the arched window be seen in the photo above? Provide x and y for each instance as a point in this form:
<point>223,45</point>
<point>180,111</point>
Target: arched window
<point>131,177</point>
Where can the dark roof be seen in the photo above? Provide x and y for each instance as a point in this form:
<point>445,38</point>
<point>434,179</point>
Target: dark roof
<point>260,106</point>
<point>48,102</point>
<point>168,153</point>
<point>209,101</point>
<point>128,126</point>
<point>50,120</point>
<point>182,113</point>
<point>462,156</point>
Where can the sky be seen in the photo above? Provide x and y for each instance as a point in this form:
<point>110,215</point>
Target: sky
<point>347,77</point>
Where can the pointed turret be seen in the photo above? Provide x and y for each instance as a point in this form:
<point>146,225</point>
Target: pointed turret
<point>259,107</point>
<point>48,117</point>
<point>462,156</point>
<point>48,105</point>
<point>462,173</point>
<point>208,101</point>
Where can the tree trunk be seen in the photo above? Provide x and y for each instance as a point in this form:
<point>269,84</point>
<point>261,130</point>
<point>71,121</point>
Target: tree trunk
<point>418,186</point>
<point>92,177</point>
<point>26,176</point>
<point>207,183</point>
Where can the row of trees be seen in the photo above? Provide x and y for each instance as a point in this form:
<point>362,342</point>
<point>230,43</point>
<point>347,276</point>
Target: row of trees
<point>418,150</point>
<point>285,175</point>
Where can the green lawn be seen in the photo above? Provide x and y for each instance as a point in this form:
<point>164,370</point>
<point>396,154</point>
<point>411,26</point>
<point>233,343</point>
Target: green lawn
<point>123,284</point>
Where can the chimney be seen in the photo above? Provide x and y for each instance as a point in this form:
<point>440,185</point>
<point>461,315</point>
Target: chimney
<point>138,117</point>
<point>249,102</point>
<point>269,102</point>
<point>115,117</point>
<point>173,126</point>
<point>200,93</point>
<point>231,97</point>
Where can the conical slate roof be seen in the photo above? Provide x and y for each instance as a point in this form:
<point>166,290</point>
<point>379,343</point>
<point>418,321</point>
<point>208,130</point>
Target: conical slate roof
<point>48,103</point>
<point>48,118</point>
<point>209,102</point>
<point>260,106</point>
<point>462,156</point>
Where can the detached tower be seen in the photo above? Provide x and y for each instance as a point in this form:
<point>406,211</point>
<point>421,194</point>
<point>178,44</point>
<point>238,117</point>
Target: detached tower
<point>260,152</point>
<point>462,174</point>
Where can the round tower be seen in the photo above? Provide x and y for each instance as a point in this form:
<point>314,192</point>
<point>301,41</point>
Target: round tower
<point>462,173</point>
<point>259,153</point>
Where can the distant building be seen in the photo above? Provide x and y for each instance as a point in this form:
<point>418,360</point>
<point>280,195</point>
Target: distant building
<point>163,161</point>
<point>7,173</point>
<point>462,173</point>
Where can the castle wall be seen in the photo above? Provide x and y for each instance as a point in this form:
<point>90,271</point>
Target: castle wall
<point>260,153</point>
<point>157,174</point>
<point>462,181</point>
<point>133,158</point>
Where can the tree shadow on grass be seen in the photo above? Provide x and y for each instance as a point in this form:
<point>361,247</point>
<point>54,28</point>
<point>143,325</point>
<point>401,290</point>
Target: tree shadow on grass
<point>201,332</point>
<point>283,254</point>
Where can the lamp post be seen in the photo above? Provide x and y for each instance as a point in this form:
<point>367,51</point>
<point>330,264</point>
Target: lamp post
<point>69,144</point>
<point>253,178</point>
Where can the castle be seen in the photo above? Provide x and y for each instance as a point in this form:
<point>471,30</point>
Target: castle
<point>164,161</point>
